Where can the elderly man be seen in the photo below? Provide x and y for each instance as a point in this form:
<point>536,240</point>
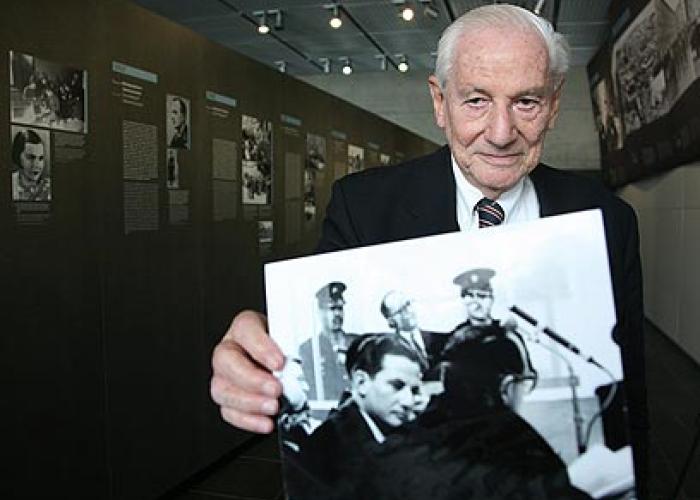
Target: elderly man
<point>496,91</point>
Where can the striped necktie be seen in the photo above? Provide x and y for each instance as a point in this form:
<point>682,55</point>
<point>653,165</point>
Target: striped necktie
<point>490,213</point>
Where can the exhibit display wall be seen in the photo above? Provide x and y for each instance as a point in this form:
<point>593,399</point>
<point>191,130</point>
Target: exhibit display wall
<point>147,175</point>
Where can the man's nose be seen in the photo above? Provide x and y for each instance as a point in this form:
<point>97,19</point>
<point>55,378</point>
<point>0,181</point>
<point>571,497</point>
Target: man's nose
<point>500,130</point>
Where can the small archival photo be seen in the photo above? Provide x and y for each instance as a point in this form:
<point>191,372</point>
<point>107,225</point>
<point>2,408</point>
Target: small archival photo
<point>31,164</point>
<point>177,123</point>
<point>47,94</point>
<point>256,165</point>
<point>475,365</point>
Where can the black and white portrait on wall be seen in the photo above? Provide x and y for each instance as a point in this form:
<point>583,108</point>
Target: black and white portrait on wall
<point>31,164</point>
<point>415,370</point>
<point>356,158</point>
<point>177,122</point>
<point>47,94</point>
<point>315,163</point>
<point>257,160</point>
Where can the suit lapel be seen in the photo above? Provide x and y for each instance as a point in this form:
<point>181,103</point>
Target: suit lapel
<point>429,204</point>
<point>553,200</point>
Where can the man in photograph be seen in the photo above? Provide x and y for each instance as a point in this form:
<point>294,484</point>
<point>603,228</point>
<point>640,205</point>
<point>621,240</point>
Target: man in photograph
<point>486,363</point>
<point>401,317</point>
<point>178,127</point>
<point>496,92</point>
<point>323,355</point>
<point>385,394</point>
<point>30,180</point>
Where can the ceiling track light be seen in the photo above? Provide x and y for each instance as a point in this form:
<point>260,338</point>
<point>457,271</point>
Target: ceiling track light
<point>335,21</point>
<point>538,8</point>
<point>429,10</point>
<point>347,65</point>
<point>382,61</point>
<point>403,66</point>
<point>406,12</point>
<point>325,63</point>
<point>263,22</point>
<point>281,66</point>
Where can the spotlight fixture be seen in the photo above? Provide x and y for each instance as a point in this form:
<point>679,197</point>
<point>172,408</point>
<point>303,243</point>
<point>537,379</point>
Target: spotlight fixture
<point>382,61</point>
<point>325,63</point>
<point>538,8</point>
<point>281,66</point>
<point>406,12</point>
<point>335,21</point>
<point>429,10</point>
<point>263,28</point>
<point>263,24</point>
<point>347,66</point>
<point>403,63</point>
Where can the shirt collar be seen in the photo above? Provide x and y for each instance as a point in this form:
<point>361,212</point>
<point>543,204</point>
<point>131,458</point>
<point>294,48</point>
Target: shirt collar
<point>469,195</point>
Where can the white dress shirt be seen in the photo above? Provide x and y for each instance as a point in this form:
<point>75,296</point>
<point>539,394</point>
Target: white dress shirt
<point>519,203</point>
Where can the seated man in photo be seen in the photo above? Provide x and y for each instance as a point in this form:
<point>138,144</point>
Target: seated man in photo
<point>385,380</point>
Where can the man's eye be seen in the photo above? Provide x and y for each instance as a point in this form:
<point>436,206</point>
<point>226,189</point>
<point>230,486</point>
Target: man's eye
<point>527,104</point>
<point>476,102</point>
<point>397,385</point>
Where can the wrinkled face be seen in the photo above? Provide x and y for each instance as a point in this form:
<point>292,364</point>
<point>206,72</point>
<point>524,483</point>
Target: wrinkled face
<point>332,317</point>
<point>404,319</point>
<point>392,395</point>
<point>32,162</point>
<point>496,106</point>
<point>478,304</point>
<point>177,118</point>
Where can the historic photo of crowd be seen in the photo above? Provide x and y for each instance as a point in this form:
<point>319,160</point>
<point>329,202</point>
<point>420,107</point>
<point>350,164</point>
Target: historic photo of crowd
<point>47,94</point>
<point>415,364</point>
<point>257,160</point>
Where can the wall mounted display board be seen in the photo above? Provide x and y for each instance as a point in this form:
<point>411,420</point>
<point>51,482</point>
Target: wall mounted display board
<point>645,88</point>
<point>152,177</point>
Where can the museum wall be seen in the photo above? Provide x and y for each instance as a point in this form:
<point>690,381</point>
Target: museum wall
<point>123,271</point>
<point>668,207</point>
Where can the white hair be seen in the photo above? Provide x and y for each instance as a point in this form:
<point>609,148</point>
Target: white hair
<point>502,15</point>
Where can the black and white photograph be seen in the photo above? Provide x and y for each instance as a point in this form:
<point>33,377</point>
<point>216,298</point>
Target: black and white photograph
<point>257,160</point>
<point>606,117</point>
<point>31,164</point>
<point>172,169</point>
<point>47,94</point>
<point>265,236</point>
<point>315,162</point>
<point>177,122</point>
<point>416,370</point>
<point>356,158</point>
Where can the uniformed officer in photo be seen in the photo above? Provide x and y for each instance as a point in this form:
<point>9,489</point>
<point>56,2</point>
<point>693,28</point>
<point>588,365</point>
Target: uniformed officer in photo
<point>487,363</point>
<point>323,355</point>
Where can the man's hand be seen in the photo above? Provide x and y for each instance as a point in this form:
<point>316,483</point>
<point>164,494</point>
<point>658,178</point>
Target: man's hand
<point>242,384</point>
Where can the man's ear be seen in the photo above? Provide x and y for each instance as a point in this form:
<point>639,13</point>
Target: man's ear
<point>438,96</point>
<point>556,99</point>
<point>360,381</point>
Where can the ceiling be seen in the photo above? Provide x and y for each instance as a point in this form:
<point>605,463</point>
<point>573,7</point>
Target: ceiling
<point>371,29</point>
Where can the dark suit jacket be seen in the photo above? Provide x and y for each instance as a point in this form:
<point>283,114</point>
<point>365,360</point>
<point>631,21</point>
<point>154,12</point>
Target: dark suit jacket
<point>418,198</point>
